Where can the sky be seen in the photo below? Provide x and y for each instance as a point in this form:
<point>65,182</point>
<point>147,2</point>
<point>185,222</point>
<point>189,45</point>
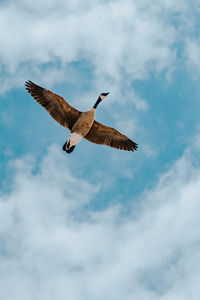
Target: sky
<point>101,223</point>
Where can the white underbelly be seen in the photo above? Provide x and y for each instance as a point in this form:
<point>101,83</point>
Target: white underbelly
<point>75,138</point>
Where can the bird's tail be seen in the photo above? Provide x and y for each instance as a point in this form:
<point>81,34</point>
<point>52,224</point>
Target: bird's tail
<point>70,149</point>
<point>66,147</point>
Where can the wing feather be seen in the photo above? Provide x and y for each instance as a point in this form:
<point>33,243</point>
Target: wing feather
<point>55,105</point>
<point>101,134</point>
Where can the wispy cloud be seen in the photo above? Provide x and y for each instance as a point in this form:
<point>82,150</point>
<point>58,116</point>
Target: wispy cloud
<point>192,53</point>
<point>51,246</point>
<point>118,38</point>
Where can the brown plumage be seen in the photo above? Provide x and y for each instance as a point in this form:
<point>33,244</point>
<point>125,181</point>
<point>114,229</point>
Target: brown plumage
<point>101,134</point>
<point>71,118</point>
<point>56,105</point>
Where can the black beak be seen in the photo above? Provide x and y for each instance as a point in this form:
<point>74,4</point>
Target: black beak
<point>105,94</point>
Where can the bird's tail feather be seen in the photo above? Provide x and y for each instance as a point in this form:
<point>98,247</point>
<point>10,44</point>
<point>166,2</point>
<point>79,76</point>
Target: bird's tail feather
<point>70,149</point>
<point>66,147</point>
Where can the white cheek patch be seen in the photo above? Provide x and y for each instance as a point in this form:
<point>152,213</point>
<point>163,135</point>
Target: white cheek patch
<point>102,96</point>
<point>74,138</point>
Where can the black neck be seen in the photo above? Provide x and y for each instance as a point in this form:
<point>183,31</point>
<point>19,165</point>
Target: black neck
<point>97,103</point>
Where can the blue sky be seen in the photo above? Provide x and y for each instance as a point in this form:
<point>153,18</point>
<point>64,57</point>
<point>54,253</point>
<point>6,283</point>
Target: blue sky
<point>100,223</point>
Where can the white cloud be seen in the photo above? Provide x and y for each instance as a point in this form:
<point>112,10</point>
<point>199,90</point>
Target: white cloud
<point>192,53</point>
<point>51,247</point>
<point>117,39</point>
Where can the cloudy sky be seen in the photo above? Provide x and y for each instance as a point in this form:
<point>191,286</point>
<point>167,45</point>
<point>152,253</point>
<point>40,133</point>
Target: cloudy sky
<point>101,223</point>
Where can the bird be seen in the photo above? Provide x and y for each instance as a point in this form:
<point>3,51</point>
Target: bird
<point>81,124</point>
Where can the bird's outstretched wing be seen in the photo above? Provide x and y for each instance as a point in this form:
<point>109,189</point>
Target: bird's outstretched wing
<point>101,134</point>
<point>56,106</point>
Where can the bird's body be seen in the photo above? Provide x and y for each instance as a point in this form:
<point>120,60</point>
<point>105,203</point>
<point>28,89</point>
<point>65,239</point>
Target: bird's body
<point>80,124</point>
<point>84,122</point>
<point>80,129</point>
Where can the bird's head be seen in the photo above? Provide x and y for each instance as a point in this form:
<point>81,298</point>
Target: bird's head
<point>103,95</point>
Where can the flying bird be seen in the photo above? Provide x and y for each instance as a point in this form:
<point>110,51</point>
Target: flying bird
<point>80,124</point>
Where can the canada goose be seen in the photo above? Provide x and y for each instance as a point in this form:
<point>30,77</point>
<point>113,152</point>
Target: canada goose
<point>80,124</point>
